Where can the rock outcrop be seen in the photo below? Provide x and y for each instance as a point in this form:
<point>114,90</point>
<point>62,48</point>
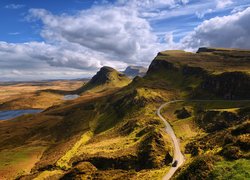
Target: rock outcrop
<point>228,85</point>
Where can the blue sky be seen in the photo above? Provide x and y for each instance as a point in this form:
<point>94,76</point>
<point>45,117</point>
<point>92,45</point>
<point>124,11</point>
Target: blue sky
<point>45,39</point>
<point>15,28</point>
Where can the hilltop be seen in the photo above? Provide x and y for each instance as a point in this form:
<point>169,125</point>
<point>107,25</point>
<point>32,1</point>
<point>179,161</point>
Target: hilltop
<point>117,135</point>
<point>106,78</point>
<point>214,60</point>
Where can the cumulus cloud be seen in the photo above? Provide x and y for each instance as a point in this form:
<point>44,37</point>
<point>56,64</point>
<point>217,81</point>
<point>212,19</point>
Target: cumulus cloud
<point>228,31</point>
<point>62,55</point>
<point>38,60</point>
<point>116,32</point>
<point>111,35</point>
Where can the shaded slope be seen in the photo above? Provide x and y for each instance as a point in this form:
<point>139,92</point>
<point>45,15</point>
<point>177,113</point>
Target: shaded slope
<point>205,74</point>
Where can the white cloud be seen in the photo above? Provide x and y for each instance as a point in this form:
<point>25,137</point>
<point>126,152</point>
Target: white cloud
<point>100,36</point>
<point>149,3</point>
<point>38,60</point>
<point>116,32</point>
<point>180,11</point>
<point>223,3</point>
<point>14,6</point>
<point>228,31</point>
<point>203,13</point>
<point>61,55</point>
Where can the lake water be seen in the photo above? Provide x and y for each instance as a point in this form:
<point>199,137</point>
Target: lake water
<point>9,114</point>
<point>70,97</point>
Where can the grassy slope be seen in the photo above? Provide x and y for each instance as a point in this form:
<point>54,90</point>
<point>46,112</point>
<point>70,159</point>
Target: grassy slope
<point>19,161</point>
<point>108,137</point>
<point>235,170</point>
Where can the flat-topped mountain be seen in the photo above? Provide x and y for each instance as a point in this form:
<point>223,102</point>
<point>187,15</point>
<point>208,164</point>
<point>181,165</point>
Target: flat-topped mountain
<point>215,60</point>
<point>209,73</point>
<point>106,78</point>
<point>132,71</point>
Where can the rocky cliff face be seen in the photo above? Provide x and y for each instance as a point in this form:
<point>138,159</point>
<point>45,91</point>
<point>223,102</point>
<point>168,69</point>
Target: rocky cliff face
<point>200,81</point>
<point>158,65</point>
<point>229,85</point>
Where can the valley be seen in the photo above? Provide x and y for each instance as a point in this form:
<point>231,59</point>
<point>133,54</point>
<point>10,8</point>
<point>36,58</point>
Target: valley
<point>34,95</point>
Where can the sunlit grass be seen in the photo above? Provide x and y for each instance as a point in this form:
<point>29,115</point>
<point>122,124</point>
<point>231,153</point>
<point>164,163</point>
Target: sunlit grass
<point>152,173</point>
<point>64,160</point>
<point>234,170</point>
<point>49,175</point>
<point>19,161</point>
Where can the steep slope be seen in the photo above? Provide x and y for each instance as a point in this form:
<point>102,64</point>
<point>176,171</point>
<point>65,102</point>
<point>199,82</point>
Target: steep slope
<point>133,71</point>
<point>211,59</point>
<point>106,78</point>
<point>207,74</point>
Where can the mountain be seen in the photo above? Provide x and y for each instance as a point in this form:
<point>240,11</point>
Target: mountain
<point>132,71</point>
<point>214,60</point>
<point>105,78</point>
<point>209,73</point>
<point>119,136</point>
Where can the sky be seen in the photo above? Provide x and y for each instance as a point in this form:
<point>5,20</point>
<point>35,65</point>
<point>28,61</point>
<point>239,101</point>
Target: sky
<point>69,39</point>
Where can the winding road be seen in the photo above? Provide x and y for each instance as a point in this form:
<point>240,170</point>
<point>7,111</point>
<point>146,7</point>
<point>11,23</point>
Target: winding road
<point>178,156</point>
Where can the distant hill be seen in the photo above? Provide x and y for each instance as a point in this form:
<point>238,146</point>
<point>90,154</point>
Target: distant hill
<point>132,71</point>
<point>105,78</point>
